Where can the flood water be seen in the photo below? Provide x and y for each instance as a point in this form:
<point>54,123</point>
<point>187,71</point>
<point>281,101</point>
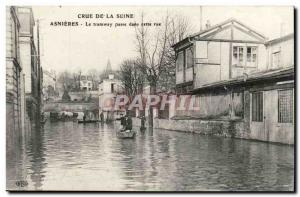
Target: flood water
<point>71,156</point>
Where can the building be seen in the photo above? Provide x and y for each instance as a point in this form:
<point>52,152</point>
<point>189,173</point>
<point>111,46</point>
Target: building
<point>240,79</point>
<point>14,113</point>
<point>29,58</point>
<point>86,83</point>
<point>85,96</point>
<point>49,86</point>
<point>108,90</point>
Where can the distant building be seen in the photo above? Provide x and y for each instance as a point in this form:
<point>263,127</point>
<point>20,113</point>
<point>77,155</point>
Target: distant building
<point>108,90</point>
<point>108,71</point>
<point>86,96</point>
<point>86,83</point>
<point>49,85</point>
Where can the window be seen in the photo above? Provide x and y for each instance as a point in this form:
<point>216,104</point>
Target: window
<point>251,56</point>
<point>285,106</point>
<point>276,59</point>
<point>112,88</point>
<point>238,55</point>
<point>257,106</point>
<point>180,61</point>
<point>245,56</point>
<point>25,20</point>
<point>189,57</point>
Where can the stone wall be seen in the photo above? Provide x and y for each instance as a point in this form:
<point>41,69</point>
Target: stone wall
<point>224,128</point>
<point>70,106</point>
<point>83,95</point>
<point>207,127</point>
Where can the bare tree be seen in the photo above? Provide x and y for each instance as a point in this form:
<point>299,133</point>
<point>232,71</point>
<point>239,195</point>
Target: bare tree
<point>156,55</point>
<point>179,28</point>
<point>66,80</point>
<point>152,54</point>
<point>131,77</point>
<point>94,76</point>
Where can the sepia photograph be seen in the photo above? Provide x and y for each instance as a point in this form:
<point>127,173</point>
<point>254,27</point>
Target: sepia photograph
<point>150,98</point>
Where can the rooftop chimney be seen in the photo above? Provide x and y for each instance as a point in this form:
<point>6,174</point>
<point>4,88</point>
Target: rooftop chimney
<point>207,24</point>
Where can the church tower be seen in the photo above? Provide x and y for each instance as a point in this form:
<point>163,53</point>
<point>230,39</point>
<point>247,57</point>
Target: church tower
<point>108,68</point>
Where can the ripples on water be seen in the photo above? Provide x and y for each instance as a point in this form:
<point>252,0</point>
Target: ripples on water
<point>71,156</point>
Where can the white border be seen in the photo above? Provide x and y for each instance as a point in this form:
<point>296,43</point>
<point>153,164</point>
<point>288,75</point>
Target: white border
<point>3,3</point>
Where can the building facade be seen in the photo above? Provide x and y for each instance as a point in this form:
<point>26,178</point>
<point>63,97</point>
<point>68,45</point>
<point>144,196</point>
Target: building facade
<point>240,78</point>
<point>29,58</point>
<point>50,92</point>
<point>13,78</point>
<point>108,90</point>
<point>86,83</point>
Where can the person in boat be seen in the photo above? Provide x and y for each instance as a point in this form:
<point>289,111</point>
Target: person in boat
<point>123,122</point>
<point>128,123</point>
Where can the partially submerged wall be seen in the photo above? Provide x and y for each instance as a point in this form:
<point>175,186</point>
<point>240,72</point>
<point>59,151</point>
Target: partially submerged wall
<point>226,128</point>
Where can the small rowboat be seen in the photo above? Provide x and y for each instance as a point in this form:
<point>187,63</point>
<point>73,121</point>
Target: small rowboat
<point>142,128</point>
<point>87,121</point>
<point>43,121</point>
<point>126,134</point>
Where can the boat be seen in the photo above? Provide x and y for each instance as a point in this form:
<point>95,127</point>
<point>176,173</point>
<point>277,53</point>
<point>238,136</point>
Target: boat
<point>142,128</point>
<point>87,121</point>
<point>126,134</point>
<point>43,121</point>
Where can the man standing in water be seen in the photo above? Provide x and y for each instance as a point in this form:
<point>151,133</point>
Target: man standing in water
<point>101,117</point>
<point>143,120</point>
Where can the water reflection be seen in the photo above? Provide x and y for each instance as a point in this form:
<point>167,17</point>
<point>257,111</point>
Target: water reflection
<point>71,156</point>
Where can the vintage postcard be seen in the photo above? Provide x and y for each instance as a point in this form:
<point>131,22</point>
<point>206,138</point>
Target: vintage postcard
<point>150,98</point>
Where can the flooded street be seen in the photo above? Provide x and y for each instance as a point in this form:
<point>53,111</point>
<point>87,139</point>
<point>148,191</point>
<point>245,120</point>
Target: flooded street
<point>71,156</point>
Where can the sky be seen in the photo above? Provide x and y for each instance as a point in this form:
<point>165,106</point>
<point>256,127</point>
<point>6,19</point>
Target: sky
<point>87,48</point>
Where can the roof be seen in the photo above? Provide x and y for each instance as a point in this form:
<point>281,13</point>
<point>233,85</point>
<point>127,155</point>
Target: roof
<point>112,80</point>
<point>230,20</point>
<point>280,39</point>
<point>254,77</point>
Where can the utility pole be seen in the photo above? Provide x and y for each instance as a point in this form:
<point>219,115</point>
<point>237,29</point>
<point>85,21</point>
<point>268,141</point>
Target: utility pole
<point>39,72</point>
<point>200,18</point>
<point>38,40</point>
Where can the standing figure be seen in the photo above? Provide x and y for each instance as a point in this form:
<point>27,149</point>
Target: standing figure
<point>123,122</point>
<point>101,117</point>
<point>128,123</point>
<point>143,120</point>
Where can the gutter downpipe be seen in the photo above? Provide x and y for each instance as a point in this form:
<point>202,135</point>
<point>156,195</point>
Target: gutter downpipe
<point>194,49</point>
